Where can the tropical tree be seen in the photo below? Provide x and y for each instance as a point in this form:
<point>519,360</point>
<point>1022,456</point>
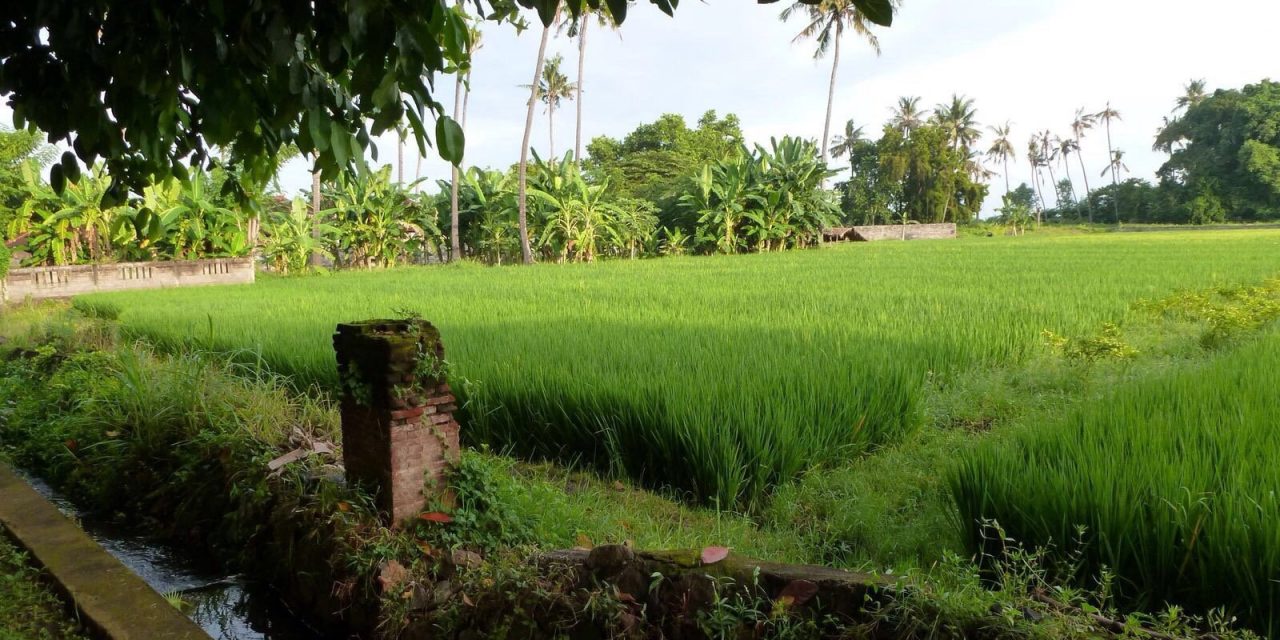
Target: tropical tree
<point>1001,149</point>
<point>374,220</point>
<point>1115,167</point>
<point>1193,93</point>
<point>720,199</point>
<point>522,198</point>
<point>1106,116</point>
<point>1066,147</point>
<point>1035,158</point>
<point>1082,123</point>
<point>1049,153</point>
<point>553,88</point>
<point>907,115</point>
<point>289,239</point>
<point>827,21</point>
<point>578,29</point>
<point>958,120</point>
<point>845,143</point>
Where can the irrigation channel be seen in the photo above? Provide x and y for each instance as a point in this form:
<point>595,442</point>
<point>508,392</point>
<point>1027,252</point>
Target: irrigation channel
<point>226,607</point>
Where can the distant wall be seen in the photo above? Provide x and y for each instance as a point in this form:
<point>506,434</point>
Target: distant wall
<point>60,282</point>
<point>895,232</point>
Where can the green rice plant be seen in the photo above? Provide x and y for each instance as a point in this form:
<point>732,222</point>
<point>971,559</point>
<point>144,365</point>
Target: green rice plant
<point>1172,479</point>
<point>719,377</point>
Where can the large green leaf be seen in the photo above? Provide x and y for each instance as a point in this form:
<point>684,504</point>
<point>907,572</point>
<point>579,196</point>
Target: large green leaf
<point>449,137</point>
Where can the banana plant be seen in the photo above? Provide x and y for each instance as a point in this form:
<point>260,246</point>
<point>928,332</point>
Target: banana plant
<point>288,241</point>
<point>372,216</point>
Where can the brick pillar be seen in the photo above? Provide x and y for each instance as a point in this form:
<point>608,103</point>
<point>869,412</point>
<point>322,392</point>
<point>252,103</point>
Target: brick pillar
<point>399,436</point>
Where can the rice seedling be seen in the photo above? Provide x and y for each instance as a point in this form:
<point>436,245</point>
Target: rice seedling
<point>1168,482</point>
<point>720,377</point>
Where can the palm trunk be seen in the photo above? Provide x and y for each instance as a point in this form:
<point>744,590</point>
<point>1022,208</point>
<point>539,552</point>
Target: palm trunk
<point>582,56</point>
<point>1080,159</point>
<point>1053,183</point>
<point>1071,186</point>
<point>522,199</point>
<point>400,159</point>
<point>1115,189</point>
<point>1006,175</point>
<point>831,91</point>
<point>1035,181</point>
<point>455,240</point>
<point>551,131</point>
<point>315,259</point>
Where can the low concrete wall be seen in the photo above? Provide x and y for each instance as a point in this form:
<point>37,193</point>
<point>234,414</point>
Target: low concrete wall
<point>60,282</point>
<point>895,232</point>
<point>869,233</point>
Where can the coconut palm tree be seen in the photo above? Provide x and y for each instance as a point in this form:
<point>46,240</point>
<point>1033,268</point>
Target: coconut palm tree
<point>1192,94</point>
<point>578,29</point>
<point>907,115</point>
<point>553,88</point>
<point>827,21</point>
<point>1106,116</point>
<point>1049,153</point>
<point>1001,150</point>
<point>1036,160</point>
<point>1066,147</point>
<point>1115,167</point>
<point>522,196</point>
<point>844,144</point>
<point>959,119</point>
<point>1082,123</point>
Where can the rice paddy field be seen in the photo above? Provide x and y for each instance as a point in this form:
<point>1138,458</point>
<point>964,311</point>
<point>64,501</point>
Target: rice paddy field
<point>717,376</point>
<point>723,379</point>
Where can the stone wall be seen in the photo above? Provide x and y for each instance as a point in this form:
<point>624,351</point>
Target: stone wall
<point>895,232</point>
<point>890,232</point>
<point>38,283</point>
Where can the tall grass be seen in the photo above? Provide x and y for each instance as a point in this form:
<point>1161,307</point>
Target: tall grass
<point>720,376</point>
<point>1174,480</point>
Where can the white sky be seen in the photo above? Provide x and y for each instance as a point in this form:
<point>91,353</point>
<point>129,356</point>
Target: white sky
<point>1032,62</point>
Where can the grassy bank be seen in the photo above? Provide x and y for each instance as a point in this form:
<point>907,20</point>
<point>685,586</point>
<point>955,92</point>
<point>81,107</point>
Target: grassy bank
<point>718,376</point>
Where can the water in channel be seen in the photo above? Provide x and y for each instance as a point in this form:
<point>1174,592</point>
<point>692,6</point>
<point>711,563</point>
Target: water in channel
<point>226,607</point>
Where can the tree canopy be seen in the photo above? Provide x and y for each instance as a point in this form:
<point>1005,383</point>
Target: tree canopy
<point>156,86</point>
<point>1226,153</point>
<point>652,161</point>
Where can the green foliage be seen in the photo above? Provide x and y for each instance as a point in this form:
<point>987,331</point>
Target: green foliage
<point>1017,211</point>
<point>172,220</point>
<point>708,374</point>
<point>291,238</point>
<point>935,179</point>
<point>765,199</point>
<point>326,81</point>
<point>651,162</point>
<point>378,223</point>
<point>1225,157</point>
<point>1108,343</point>
<point>868,196</point>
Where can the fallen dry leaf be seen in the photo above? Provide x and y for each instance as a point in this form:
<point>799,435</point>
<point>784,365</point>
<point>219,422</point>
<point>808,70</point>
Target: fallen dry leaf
<point>437,516</point>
